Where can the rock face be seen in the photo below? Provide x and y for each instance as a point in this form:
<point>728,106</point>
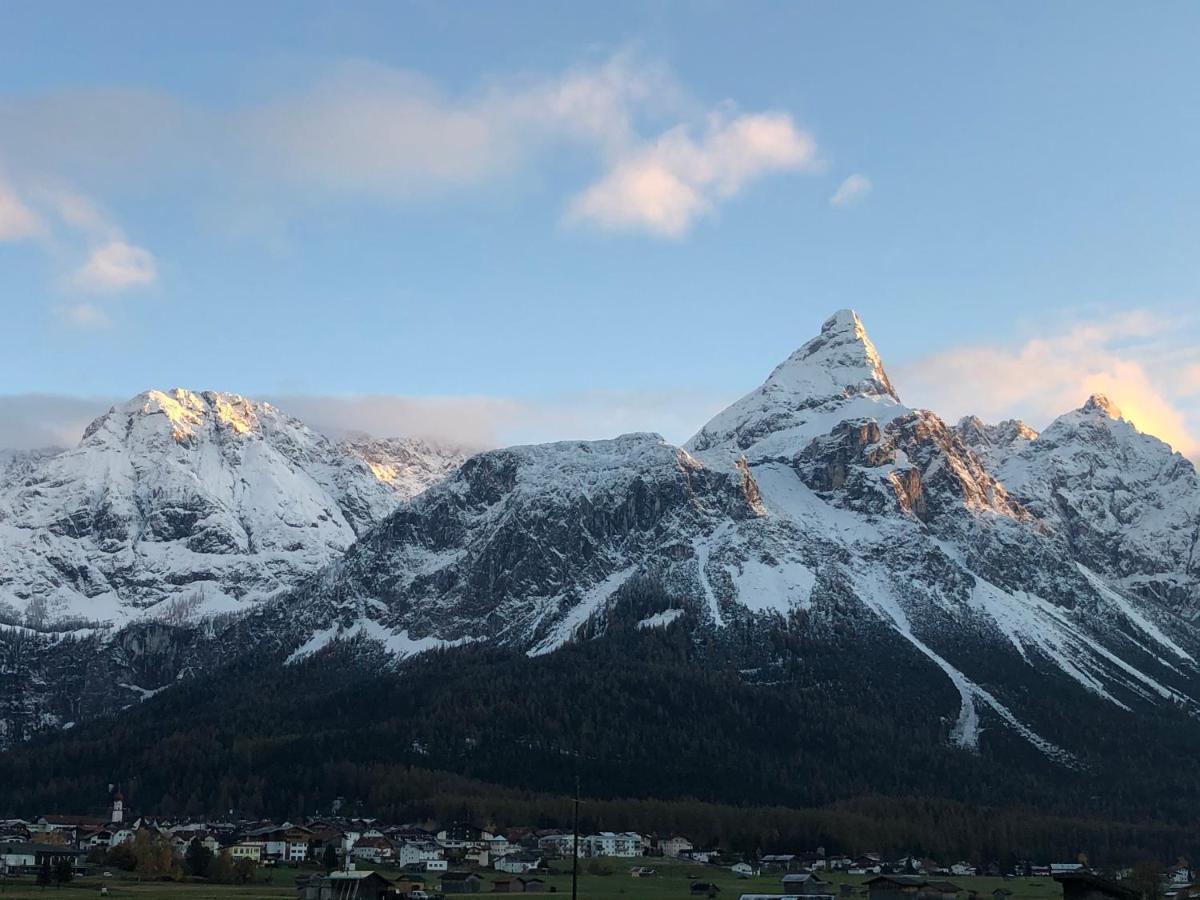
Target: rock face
<point>1007,563</point>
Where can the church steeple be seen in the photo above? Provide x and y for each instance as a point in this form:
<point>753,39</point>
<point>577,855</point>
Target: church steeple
<point>118,807</point>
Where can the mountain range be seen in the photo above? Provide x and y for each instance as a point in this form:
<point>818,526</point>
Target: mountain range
<point>1022,597</point>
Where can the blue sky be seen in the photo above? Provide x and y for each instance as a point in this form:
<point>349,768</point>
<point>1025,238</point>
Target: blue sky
<point>516,221</point>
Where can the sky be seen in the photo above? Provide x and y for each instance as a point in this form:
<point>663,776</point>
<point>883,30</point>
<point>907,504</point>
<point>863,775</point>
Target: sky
<point>508,221</point>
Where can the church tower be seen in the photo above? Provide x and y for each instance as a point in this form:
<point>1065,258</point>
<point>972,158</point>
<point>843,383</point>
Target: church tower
<point>118,808</point>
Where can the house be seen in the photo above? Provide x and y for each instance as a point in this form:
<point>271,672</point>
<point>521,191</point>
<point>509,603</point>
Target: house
<point>1086,886</point>
<point>346,885</point>
<point>743,870</point>
<point>609,843</point>
<point>805,884</point>
<point>461,883</point>
<point>780,862</point>
<point>372,849</point>
<point>557,842</point>
<point>26,858</point>
<point>963,868</point>
<point>463,835</point>
<point>410,853</point>
<point>250,851</point>
<point>519,863</point>
<point>674,846</point>
<point>436,865</point>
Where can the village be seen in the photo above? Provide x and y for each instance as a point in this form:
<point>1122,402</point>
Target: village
<point>335,857</point>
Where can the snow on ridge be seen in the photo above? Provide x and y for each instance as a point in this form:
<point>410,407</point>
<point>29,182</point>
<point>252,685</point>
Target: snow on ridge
<point>660,619</point>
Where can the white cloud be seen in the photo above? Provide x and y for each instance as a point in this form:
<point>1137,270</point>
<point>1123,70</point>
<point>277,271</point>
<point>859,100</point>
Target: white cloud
<point>853,190</point>
<point>365,129</point>
<point>1119,356</point>
<point>17,221</point>
<point>115,266</point>
<point>664,187</point>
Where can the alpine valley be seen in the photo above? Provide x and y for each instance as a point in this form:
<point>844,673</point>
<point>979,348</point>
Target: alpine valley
<point>823,595</point>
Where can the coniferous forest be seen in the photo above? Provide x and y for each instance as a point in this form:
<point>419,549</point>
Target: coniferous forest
<point>661,734</point>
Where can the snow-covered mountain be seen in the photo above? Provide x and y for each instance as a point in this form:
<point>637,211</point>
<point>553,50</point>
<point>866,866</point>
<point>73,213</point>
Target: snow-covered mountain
<point>177,505</point>
<point>1003,566</point>
<point>816,493</point>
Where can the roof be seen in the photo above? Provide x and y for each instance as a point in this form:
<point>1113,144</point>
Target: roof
<point>1095,881</point>
<point>945,887</point>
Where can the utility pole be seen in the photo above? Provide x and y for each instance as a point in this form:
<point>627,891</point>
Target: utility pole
<point>575,847</point>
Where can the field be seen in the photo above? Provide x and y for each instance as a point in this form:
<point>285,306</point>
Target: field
<point>672,881</point>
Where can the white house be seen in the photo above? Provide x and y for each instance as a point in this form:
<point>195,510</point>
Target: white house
<point>963,868</point>
<point>609,843</point>
<point>743,870</point>
<point>411,853</point>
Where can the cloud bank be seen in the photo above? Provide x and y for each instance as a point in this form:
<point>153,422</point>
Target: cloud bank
<point>1127,357</point>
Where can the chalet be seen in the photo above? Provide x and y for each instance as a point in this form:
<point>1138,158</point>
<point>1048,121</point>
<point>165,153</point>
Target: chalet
<point>463,835</point>
<point>1086,886</point>
<point>910,887</point>
<point>461,883</point>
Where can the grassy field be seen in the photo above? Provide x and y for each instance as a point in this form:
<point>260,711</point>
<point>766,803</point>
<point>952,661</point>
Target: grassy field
<point>672,881</point>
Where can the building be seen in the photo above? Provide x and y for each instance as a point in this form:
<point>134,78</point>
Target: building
<point>247,851</point>
<point>674,846</point>
<point>743,870</point>
<point>461,883</point>
<point>609,843</point>
<point>24,858</point>
<point>416,854</point>
<point>805,884</point>
<point>1086,886</point>
<point>346,886</point>
<point>519,863</point>
<point>910,887</point>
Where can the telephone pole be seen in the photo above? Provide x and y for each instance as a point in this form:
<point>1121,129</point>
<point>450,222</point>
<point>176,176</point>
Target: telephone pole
<point>575,847</point>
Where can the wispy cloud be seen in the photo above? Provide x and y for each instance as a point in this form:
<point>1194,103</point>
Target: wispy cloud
<point>39,420</point>
<point>17,221</point>
<point>662,188</point>
<point>88,243</point>
<point>115,266</point>
<point>854,189</point>
<point>1120,356</point>
<point>660,158</point>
